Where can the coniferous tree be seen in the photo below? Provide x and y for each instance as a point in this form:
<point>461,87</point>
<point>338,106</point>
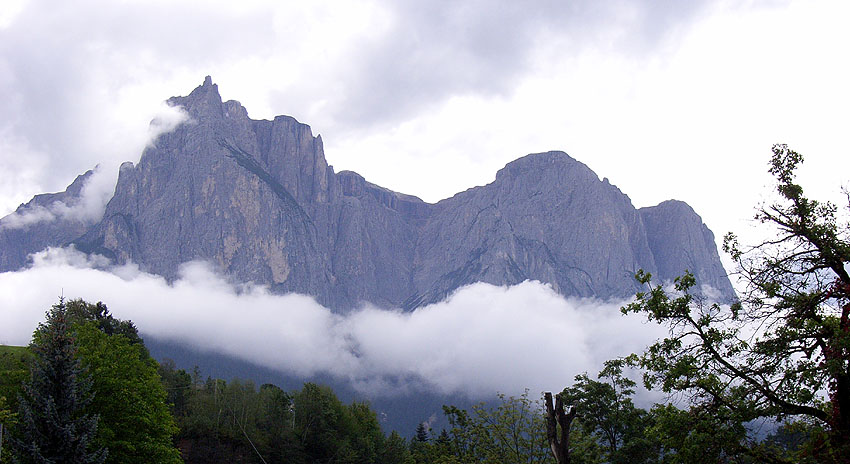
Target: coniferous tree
<point>421,433</point>
<point>53,426</point>
<point>420,448</point>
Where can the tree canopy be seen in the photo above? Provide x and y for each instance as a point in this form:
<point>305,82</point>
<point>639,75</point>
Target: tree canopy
<point>783,351</point>
<point>612,427</point>
<point>135,423</point>
<point>512,430</point>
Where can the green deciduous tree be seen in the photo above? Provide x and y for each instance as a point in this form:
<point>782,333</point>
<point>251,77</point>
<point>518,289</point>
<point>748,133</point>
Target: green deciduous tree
<point>223,422</point>
<point>80,311</point>
<point>695,435</point>
<point>235,422</point>
<point>511,431</point>
<point>14,370</point>
<point>395,450</point>
<point>135,423</point>
<point>613,428</point>
<point>178,387</point>
<point>319,422</point>
<point>54,423</point>
<point>784,349</point>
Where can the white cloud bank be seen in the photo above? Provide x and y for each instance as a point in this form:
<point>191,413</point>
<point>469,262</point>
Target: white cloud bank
<point>482,339</point>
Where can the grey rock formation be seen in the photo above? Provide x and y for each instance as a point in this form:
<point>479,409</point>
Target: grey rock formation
<point>679,240</point>
<point>18,240</point>
<point>258,200</point>
<point>546,217</point>
<point>224,189</point>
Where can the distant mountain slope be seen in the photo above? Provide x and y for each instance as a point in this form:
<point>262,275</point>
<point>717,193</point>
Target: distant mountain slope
<point>34,225</point>
<point>258,199</point>
<point>679,240</point>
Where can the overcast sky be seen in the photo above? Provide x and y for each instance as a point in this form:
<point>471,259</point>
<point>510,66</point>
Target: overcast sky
<point>666,98</point>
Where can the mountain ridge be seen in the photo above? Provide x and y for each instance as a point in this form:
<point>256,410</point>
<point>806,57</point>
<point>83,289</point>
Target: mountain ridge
<point>258,199</point>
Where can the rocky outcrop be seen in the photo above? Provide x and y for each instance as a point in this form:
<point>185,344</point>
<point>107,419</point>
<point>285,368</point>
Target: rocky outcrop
<point>258,199</point>
<point>680,241</point>
<point>224,189</point>
<point>46,220</point>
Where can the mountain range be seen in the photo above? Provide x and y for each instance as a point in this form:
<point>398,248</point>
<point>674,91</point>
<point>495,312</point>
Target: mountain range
<point>258,200</point>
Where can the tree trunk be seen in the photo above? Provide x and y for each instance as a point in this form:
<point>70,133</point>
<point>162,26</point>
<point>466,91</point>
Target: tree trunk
<point>840,394</point>
<point>559,443</point>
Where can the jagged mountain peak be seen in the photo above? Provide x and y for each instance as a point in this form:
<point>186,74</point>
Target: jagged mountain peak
<point>204,104</point>
<point>206,91</point>
<point>681,241</point>
<point>258,200</point>
<point>43,221</point>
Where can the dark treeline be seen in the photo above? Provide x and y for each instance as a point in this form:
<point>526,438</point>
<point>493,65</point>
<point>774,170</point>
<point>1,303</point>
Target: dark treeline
<point>235,421</point>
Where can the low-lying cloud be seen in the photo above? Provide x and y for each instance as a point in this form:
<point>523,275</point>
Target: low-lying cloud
<point>482,339</point>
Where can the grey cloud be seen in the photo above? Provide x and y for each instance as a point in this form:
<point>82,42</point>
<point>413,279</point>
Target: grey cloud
<point>96,191</point>
<point>438,49</point>
<point>64,65</point>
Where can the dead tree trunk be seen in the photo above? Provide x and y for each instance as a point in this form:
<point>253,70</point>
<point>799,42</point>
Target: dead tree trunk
<point>555,416</point>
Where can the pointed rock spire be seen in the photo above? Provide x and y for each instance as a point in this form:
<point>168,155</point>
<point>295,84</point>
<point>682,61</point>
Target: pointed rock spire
<point>203,103</point>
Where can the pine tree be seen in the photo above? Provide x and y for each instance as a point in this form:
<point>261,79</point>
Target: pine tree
<point>421,433</point>
<point>53,426</point>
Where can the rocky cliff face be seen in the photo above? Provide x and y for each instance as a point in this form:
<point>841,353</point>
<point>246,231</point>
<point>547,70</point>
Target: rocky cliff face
<point>679,240</point>
<point>546,217</point>
<point>258,199</point>
<point>241,194</point>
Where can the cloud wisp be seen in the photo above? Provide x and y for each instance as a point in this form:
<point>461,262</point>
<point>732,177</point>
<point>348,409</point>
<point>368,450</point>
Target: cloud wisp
<point>87,208</point>
<point>482,339</point>
<point>97,188</point>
